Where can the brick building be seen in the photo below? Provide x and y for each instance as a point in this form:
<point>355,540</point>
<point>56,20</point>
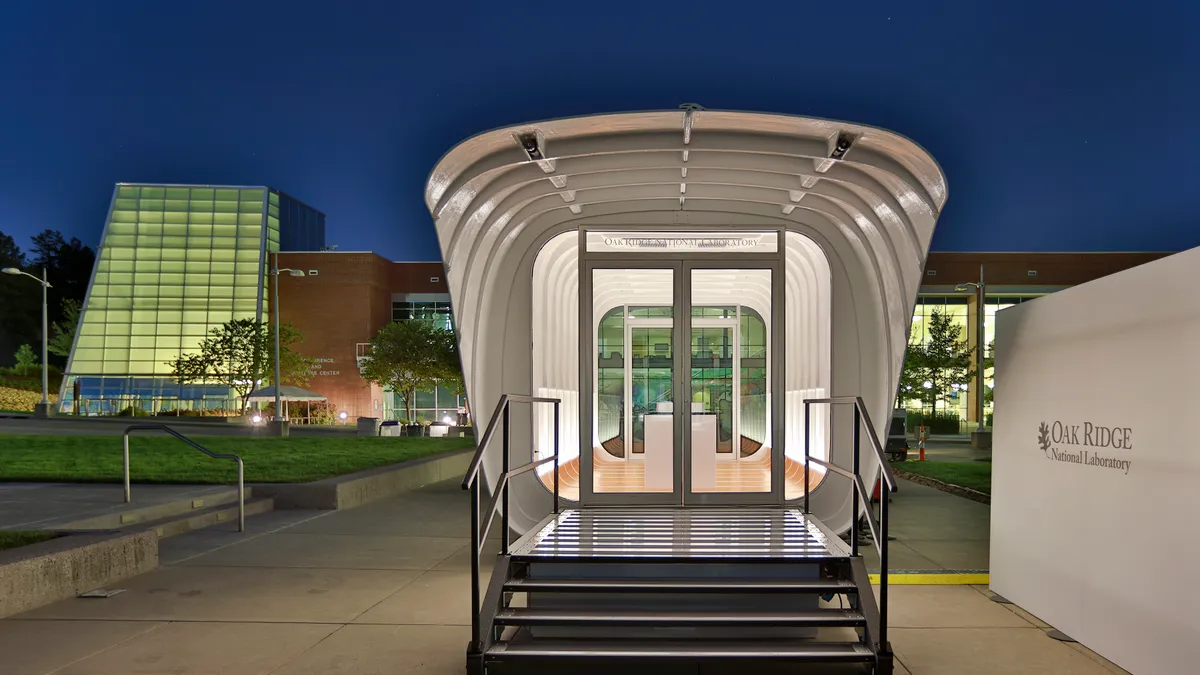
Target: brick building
<point>1009,279</point>
<point>346,297</point>
<point>340,303</point>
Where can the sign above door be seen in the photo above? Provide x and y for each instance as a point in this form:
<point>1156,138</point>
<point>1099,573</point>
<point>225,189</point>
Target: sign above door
<point>700,242</point>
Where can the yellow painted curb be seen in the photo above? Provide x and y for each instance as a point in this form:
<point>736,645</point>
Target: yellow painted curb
<point>934,579</point>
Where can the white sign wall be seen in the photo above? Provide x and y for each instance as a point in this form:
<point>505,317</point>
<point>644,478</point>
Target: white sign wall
<point>1096,466</point>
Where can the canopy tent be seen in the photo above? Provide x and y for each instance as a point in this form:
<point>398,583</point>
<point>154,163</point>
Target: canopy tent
<point>287,393</point>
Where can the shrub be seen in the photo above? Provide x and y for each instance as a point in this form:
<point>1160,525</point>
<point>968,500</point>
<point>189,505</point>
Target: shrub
<point>131,411</point>
<point>178,413</point>
<point>23,383</point>
<point>939,422</point>
<point>317,412</point>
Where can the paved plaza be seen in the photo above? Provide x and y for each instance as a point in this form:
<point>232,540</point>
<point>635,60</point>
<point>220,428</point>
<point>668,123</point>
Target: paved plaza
<point>383,589</point>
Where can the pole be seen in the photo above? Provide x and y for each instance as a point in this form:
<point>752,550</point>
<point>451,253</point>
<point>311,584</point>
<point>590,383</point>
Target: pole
<point>982,345</point>
<point>125,464</point>
<point>279,416</point>
<point>45,342</point>
<point>921,444</point>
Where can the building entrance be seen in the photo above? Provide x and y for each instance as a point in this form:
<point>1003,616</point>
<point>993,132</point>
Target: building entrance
<point>682,372</point>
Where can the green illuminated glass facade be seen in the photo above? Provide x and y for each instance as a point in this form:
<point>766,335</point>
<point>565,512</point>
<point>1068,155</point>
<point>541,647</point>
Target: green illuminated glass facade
<point>174,262</point>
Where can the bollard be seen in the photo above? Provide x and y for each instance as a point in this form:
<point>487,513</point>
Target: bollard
<point>921,444</point>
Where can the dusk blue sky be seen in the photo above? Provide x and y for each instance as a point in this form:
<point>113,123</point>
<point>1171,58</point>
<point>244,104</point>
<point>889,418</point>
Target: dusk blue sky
<point>1062,126</point>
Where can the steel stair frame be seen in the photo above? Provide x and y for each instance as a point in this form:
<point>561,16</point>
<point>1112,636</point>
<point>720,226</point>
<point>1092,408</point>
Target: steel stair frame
<point>493,614</point>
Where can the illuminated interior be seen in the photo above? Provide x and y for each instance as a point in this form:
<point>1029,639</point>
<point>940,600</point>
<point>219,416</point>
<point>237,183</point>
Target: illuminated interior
<point>731,384</point>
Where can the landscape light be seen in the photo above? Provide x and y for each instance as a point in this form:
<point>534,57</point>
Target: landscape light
<point>447,420</point>
<point>256,419</point>
<point>342,415</point>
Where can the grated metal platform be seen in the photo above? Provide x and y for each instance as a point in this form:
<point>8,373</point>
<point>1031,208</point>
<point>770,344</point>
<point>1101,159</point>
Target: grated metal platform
<point>784,535</point>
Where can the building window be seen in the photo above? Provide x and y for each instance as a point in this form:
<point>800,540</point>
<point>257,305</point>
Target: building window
<point>959,307</point>
<point>175,263</point>
<point>437,313</point>
<point>438,405</point>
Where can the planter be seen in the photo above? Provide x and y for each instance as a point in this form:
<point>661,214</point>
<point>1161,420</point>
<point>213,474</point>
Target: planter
<point>414,430</point>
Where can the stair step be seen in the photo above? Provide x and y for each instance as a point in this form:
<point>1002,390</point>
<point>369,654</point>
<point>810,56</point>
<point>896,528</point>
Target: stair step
<point>202,518</point>
<point>553,617</point>
<point>678,586</point>
<point>131,514</point>
<point>828,652</point>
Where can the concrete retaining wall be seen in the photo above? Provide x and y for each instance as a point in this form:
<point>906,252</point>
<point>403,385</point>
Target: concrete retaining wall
<point>356,489</point>
<point>39,574</point>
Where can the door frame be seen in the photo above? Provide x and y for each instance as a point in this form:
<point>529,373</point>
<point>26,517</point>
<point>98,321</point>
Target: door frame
<point>587,381</point>
<point>681,264</point>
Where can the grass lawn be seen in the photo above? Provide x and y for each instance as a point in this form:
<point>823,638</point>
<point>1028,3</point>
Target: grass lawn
<point>974,475</point>
<point>97,459</point>
<point>15,538</point>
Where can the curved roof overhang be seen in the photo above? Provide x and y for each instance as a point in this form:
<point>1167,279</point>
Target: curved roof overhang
<point>876,190</point>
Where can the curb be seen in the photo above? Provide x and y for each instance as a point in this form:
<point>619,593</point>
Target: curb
<point>957,490</point>
<point>38,574</point>
<point>364,487</point>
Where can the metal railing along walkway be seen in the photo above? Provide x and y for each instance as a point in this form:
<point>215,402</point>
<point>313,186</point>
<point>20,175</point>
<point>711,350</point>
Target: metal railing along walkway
<point>241,470</point>
<point>859,491</point>
<point>500,499</point>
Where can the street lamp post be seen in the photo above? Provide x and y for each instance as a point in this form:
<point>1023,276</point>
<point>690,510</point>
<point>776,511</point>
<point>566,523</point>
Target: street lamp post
<point>279,425</point>
<point>981,437</point>
<point>43,408</point>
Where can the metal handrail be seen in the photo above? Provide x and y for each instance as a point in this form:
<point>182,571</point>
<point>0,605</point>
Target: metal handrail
<point>241,468</point>
<point>858,490</point>
<point>500,500</point>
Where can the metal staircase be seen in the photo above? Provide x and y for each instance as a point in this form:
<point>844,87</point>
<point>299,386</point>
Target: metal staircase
<point>678,589</point>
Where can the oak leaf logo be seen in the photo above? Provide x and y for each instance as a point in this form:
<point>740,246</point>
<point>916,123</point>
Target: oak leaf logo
<point>1044,437</point>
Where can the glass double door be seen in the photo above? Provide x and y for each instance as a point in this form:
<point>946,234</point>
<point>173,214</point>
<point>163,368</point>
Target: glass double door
<point>680,382</point>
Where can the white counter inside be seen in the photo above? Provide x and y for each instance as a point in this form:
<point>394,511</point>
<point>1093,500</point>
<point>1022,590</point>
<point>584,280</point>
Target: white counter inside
<point>704,451</point>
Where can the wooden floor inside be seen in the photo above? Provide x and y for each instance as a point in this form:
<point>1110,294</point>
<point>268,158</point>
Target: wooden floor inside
<point>751,474</point>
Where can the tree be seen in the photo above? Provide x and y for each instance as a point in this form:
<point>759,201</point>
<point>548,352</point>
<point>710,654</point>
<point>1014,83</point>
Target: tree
<point>240,353</point>
<point>989,363</point>
<point>294,367</point>
<point>944,360</point>
<point>68,266</point>
<point>10,254</point>
<point>408,356</point>
<point>452,374</point>
<point>20,304</point>
<point>25,358</point>
<point>63,332</point>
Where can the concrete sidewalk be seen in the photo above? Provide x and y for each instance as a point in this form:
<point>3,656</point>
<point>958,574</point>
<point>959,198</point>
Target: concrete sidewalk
<point>32,506</point>
<point>934,531</point>
<point>385,589</point>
